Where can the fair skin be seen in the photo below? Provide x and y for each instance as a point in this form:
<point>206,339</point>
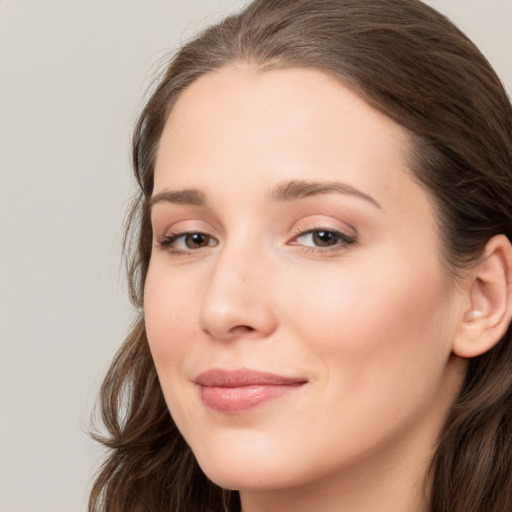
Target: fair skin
<point>338,286</point>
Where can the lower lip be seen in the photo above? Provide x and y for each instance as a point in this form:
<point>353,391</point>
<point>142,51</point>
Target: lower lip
<point>243,398</point>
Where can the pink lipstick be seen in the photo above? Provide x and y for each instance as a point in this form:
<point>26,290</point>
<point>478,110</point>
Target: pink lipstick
<point>231,391</point>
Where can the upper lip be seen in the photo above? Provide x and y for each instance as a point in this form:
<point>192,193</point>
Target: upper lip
<point>218,377</point>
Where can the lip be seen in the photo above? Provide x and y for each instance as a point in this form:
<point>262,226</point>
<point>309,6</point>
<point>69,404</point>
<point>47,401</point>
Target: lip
<point>232,391</point>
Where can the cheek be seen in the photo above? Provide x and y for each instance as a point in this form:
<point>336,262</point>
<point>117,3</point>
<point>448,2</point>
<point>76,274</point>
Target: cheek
<point>380,322</point>
<point>171,327</point>
<point>378,343</point>
<point>168,313</point>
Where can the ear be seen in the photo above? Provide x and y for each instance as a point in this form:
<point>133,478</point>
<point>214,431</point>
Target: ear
<point>489,309</point>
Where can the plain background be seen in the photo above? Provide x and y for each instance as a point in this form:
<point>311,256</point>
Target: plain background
<point>72,77</point>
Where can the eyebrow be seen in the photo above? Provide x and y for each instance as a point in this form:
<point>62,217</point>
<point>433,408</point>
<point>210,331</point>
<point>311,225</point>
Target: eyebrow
<point>188,196</point>
<point>286,191</point>
<point>299,189</point>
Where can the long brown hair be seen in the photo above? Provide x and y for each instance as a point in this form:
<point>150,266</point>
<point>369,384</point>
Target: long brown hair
<point>409,62</point>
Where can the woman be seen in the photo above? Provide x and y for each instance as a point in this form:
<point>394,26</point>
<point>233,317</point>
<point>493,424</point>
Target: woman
<point>323,262</point>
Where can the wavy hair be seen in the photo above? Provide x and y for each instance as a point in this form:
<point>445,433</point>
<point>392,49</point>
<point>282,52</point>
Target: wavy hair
<point>412,64</point>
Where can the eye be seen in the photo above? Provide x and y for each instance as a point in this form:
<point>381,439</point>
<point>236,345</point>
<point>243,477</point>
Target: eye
<point>323,238</point>
<point>185,242</point>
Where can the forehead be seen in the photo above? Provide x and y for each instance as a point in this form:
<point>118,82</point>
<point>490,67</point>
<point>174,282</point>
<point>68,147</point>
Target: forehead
<point>252,126</point>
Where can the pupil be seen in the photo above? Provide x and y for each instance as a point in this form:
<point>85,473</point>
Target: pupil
<point>196,240</point>
<point>324,238</point>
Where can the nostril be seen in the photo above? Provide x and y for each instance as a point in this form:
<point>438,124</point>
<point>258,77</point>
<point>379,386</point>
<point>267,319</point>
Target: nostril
<point>241,329</point>
<point>237,330</point>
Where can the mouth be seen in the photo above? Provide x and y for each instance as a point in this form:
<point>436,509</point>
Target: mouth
<point>233,391</point>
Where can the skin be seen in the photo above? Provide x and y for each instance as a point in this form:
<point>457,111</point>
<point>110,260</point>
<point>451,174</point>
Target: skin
<point>369,321</point>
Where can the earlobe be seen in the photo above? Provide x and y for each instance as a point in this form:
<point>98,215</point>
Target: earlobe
<point>489,313</point>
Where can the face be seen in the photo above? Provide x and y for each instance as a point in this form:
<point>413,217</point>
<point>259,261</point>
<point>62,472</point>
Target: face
<point>297,308</point>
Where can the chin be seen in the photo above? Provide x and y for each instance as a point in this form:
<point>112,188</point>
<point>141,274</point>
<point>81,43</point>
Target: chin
<point>254,466</point>
<point>246,477</point>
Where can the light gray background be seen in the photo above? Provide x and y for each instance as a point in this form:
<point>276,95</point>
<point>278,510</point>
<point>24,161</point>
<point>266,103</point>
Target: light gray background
<point>72,77</point>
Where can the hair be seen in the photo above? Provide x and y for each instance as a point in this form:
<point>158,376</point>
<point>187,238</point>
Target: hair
<point>413,65</point>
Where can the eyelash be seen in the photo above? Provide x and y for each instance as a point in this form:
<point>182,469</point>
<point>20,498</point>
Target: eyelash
<point>343,240</point>
<point>168,241</point>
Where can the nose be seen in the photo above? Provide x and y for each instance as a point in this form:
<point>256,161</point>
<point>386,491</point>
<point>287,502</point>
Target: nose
<point>236,302</point>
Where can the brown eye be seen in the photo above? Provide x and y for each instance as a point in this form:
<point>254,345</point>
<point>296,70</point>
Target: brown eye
<point>196,240</point>
<point>325,238</point>
<point>181,243</point>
